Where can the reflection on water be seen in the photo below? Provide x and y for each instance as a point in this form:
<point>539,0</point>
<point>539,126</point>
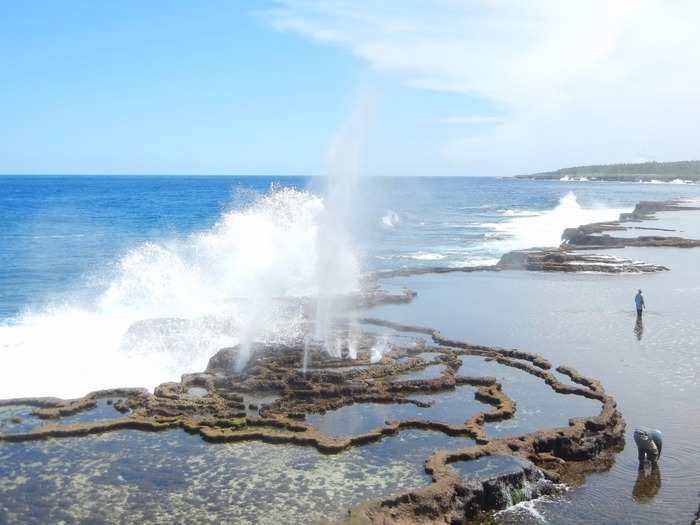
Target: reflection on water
<point>20,418</point>
<point>429,372</point>
<point>647,485</point>
<point>489,466</point>
<point>582,320</point>
<point>453,406</point>
<point>537,405</point>
<point>639,328</point>
<point>17,419</point>
<point>103,410</point>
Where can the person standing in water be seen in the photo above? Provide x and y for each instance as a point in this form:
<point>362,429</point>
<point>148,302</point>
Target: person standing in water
<point>639,302</point>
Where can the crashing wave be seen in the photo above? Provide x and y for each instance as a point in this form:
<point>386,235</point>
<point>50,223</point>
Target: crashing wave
<point>172,303</point>
<point>543,228</point>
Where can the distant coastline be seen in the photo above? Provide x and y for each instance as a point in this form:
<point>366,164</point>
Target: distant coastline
<point>686,170</point>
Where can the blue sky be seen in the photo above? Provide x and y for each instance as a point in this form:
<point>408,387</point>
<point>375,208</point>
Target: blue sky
<point>454,88</point>
<point>164,87</point>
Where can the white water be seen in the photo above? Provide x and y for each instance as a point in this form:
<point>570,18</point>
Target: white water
<point>338,262</point>
<point>380,348</point>
<point>390,219</point>
<point>172,304</point>
<point>544,229</point>
<point>424,256</point>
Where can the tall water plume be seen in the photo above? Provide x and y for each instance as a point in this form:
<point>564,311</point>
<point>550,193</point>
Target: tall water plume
<point>338,260</point>
<point>169,304</point>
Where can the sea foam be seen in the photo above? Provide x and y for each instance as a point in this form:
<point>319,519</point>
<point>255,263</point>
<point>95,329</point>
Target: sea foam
<point>171,304</point>
<point>544,228</point>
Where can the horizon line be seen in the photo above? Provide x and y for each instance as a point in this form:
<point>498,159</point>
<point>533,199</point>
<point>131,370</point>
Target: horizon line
<point>234,175</point>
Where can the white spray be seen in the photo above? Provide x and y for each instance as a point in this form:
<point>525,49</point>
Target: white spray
<point>380,348</point>
<point>338,264</point>
<point>170,305</point>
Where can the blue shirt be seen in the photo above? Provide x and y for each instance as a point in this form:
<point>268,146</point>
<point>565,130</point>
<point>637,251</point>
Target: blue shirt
<point>639,301</point>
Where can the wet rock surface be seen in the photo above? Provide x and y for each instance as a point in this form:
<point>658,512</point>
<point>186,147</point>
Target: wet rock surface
<point>284,388</point>
<point>274,399</point>
<point>565,258</point>
<point>562,260</point>
<point>595,236</point>
<point>497,482</point>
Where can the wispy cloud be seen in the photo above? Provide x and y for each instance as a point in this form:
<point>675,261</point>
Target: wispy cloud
<point>596,81</point>
<point>472,119</point>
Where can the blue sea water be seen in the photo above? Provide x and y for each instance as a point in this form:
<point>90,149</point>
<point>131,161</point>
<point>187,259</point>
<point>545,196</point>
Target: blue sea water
<point>132,281</point>
<point>60,234</point>
<point>86,261</point>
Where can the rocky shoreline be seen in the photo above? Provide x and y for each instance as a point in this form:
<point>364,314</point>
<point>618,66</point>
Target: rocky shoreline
<point>595,235</point>
<point>222,405</point>
<point>567,256</point>
<point>213,405</point>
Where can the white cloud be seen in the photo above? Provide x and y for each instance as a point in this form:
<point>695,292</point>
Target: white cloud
<point>580,82</point>
<point>472,119</point>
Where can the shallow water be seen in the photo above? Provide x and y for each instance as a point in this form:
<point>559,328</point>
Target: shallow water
<point>488,466</point>
<point>537,405</point>
<point>28,421</point>
<point>65,240</point>
<point>685,223</point>
<point>588,321</point>
<point>680,224</point>
<point>16,419</point>
<point>429,372</point>
<point>174,477</point>
<point>454,406</point>
<point>103,410</point>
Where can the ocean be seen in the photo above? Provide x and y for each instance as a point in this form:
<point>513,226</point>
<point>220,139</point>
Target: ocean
<point>83,258</point>
<point>133,281</point>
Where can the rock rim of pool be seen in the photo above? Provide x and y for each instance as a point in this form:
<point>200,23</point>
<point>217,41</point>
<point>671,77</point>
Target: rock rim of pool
<point>220,413</point>
<point>217,404</point>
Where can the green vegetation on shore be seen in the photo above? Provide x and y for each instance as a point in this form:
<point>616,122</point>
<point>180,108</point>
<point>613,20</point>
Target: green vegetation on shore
<point>687,170</point>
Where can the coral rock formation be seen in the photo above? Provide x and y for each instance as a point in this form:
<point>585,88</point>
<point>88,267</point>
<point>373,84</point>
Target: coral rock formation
<point>224,405</point>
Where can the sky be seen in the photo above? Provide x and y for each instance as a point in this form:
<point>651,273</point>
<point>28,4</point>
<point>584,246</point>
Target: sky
<point>444,87</point>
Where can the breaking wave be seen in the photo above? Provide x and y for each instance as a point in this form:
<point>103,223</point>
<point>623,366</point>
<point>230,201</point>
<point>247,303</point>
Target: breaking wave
<point>390,219</point>
<point>424,256</point>
<point>172,304</point>
<point>543,229</point>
